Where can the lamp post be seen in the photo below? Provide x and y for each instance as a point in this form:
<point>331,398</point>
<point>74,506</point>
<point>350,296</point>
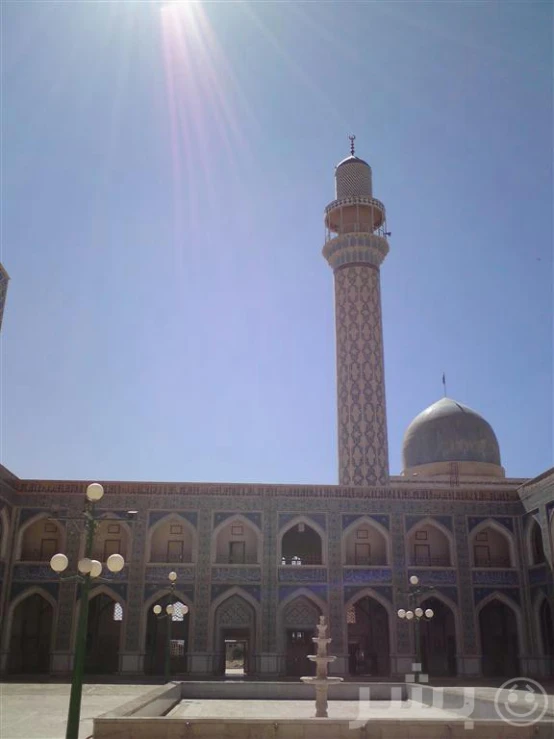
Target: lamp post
<point>416,614</point>
<point>89,569</point>
<point>169,611</point>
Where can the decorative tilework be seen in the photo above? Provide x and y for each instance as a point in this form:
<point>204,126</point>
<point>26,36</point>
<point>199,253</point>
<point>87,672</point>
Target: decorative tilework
<point>159,573</point>
<point>434,577</point>
<point>446,521</point>
<point>236,574</point>
<point>481,593</point>
<point>20,587</point>
<point>253,590</point>
<point>495,577</point>
<point>151,588</point>
<point>302,574</point>
<point>506,521</point>
<point>451,593</point>
<point>367,575</point>
<point>538,574</point>
<point>362,424</point>
<point>190,516</point>
<point>253,516</point>
<point>383,519</point>
<point>34,573</point>
<point>319,518</point>
<point>350,591</point>
<point>286,590</point>
<point>27,513</point>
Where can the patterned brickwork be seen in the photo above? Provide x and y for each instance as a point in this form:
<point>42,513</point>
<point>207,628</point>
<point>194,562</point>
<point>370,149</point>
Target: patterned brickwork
<point>362,426</point>
<point>135,582</point>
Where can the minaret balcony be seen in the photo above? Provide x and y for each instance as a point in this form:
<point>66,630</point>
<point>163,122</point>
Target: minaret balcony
<point>363,248</point>
<point>365,213</point>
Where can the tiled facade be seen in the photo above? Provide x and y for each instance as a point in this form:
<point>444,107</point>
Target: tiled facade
<point>258,564</point>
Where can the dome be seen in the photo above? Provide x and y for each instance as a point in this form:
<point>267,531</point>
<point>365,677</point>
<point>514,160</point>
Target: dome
<point>352,160</point>
<point>353,178</point>
<point>448,431</point>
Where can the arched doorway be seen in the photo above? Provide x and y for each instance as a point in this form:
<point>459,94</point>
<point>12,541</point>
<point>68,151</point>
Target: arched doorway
<point>299,619</point>
<point>103,635</point>
<point>156,639</point>
<point>536,553</point>
<point>438,640</point>
<point>368,638</point>
<point>235,632</point>
<point>31,636</point>
<point>499,640</point>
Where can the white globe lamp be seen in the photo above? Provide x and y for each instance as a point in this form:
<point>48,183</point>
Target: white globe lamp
<point>157,610</point>
<point>172,576</point>
<point>115,563</point>
<point>96,569</point>
<point>95,492</point>
<point>419,612</point>
<point>84,566</point>
<point>429,613</point>
<point>59,563</point>
<point>401,613</point>
<point>414,580</point>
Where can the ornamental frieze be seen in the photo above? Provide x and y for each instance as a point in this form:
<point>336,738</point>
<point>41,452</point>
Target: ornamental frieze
<point>434,577</point>
<point>366,575</point>
<point>237,574</point>
<point>158,573</point>
<point>302,574</point>
<point>495,577</point>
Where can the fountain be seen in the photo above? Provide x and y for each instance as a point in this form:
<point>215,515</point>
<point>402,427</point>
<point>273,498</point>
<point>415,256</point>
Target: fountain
<point>321,681</point>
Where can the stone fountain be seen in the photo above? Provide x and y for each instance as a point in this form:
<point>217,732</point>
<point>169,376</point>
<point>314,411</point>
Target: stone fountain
<point>321,681</point>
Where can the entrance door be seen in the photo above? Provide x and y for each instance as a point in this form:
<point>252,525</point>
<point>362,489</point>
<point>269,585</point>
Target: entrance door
<point>31,636</point>
<point>368,638</point>
<point>499,640</point>
<point>103,633</point>
<point>235,650</point>
<point>299,646</point>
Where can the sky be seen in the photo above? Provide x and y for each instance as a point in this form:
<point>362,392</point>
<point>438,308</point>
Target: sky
<point>164,172</point>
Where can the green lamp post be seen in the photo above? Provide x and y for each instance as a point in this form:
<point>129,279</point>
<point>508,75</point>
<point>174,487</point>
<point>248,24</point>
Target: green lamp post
<point>89,569</point>
<point>416,614</point>
<point>169,611</point>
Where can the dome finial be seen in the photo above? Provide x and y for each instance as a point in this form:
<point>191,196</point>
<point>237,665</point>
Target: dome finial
<point>444,383</point>
<point>352,139</point>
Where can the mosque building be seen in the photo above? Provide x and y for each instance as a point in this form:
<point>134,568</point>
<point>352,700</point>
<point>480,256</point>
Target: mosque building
<point>257,564</point>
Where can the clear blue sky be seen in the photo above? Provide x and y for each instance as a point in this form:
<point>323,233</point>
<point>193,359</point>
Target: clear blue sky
<point>170,316</point>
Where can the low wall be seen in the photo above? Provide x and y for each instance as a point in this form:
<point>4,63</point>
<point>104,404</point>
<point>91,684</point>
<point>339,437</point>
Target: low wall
<point>248,690</point>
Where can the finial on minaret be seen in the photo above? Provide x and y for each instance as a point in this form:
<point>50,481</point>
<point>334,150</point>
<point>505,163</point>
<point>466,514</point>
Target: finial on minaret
<point>352,139</point>
<point>444,382</point>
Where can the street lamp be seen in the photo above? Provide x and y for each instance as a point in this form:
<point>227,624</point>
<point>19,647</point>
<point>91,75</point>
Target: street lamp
<point>416,614</point>
<point>89,569</point>
<point>169,612</point>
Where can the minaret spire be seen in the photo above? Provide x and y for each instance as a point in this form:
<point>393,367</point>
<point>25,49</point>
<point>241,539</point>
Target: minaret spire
<point>356,244</point>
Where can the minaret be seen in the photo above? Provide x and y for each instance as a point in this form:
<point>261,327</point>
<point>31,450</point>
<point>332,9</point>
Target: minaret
<point>355,245</point>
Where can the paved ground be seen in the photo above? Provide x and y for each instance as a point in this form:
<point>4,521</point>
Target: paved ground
<point>39,710</point>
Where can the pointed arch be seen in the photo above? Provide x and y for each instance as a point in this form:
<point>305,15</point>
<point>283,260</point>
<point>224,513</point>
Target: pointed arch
<point>514,608</point>
<point>20,543</point>
<point>149,604</point>
<point>499,528</point>
<point>546,648</point>
<point>221,598</point>
<point>4,532</point>
<point>307,521</point>
<point>19,600</point>
<point>444,652</point>
<point>534,543</point>
<point>102,535</point>
<point>437,553</point>
<point>372,524</point>
<point>387,605</point>
<point>153,634</point>
<point>318,602</point>
<point>222,536</point>
<point>169,518</point>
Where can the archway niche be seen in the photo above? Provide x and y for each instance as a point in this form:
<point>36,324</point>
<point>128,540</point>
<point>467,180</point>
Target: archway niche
<point>491,548</point>
<point>31,636</point>
<point>499,640</point>
<point>105,618</point>
<point>41,540</point>
<point>546,624</point>
<point>438,640</point>
<point>429,546</point>
<point>111,537</point>
<point>536,545</point>
<point>368,638</point>
<point>299,619</point>
<point>156,638</point>
<point>301,545</point>
<point>234,637</point>
<point>172,541</point>
<point>365,545</point>
<point>237,542</point>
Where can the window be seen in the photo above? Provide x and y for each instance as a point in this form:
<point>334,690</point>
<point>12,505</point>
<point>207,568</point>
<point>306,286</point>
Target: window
<point>177,647</point>
<point>236,552</point>
<point>351,615</point>
<point>118,612</point>
<point>175,528</point>
<point>179,611</point>
<point>422,554</point>
<point>237,529</point>
<point>362,554</point>
<point>362,534</point>
<point>112,546</point>
<point>482,555</point>
<point>421,535</point>
<point>48,548</point>
<point>174,551</point>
